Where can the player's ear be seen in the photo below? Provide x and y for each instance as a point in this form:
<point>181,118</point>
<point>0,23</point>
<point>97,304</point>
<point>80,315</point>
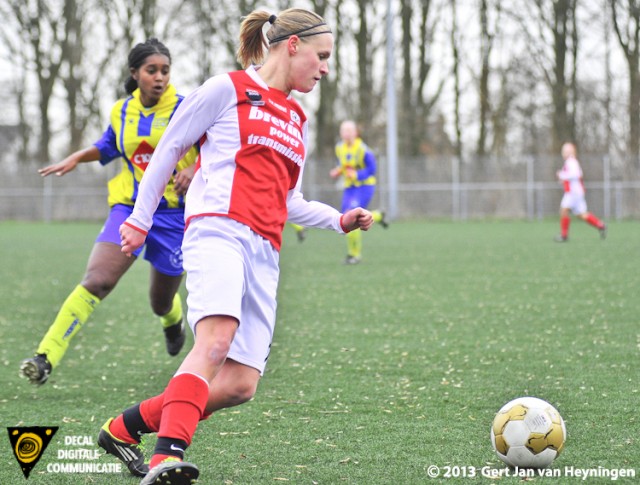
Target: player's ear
<point>293,43</point>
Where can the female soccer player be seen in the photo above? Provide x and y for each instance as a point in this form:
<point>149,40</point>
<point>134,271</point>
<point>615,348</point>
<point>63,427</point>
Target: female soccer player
<point>573,199</point>
<point>253,143</point>
<point>137,123</point>
<point>357,167</point>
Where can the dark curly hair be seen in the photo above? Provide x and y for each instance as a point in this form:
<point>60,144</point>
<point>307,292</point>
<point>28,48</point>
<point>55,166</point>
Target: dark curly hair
<point>139,54</point>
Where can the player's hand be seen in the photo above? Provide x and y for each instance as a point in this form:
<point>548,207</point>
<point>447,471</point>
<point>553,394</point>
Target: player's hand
<point>60,168</point>
<point>357,218</point>
<point>131,239</point>
<point>335,172</point>
<point>183,178</point>
<point>350,173</point>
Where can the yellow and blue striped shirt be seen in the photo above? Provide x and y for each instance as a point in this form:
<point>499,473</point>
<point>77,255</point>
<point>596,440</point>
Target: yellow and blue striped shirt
<point>133,134</point>
<point>359,157</point>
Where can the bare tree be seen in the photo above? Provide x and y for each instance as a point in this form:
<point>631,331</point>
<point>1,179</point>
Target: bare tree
<point>551,37</point>
<point>487,35</point>
<point>626,24</point>
<point>39,28</point>
<point>455,51</point>
<point>15,41</point>
<point>205,16</point>
<point>72,54</point>
<point>326,114</point>
<point>419,24</point>
<point>365,62</point>
<point>500,114</point>
<point>407,135</point>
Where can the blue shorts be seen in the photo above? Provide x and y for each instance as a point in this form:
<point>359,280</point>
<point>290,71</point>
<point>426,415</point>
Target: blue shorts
<point>163,247</point>
<point>353,197</point>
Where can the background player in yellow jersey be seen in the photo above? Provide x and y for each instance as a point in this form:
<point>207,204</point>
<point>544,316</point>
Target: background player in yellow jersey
<point>357,167</point>
<point>136,125</point>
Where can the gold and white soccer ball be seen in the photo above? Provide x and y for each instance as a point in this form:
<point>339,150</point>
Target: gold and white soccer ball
<point>528,432</point>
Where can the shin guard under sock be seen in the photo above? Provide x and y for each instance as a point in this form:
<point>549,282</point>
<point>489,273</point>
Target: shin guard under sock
<point>564,226</point>
<point>185,399</point>
<point>75,311</point>
<point>594,221</point>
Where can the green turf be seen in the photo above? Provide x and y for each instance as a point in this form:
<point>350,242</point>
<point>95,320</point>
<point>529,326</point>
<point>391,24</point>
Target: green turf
<point>377,371</point>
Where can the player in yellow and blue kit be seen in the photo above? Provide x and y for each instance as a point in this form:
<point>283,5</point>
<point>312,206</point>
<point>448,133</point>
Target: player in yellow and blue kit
<point>357,167</point>
<point>136,125</point>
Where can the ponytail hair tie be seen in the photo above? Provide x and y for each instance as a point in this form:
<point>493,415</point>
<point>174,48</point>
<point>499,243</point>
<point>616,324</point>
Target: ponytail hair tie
<point>272,19</point>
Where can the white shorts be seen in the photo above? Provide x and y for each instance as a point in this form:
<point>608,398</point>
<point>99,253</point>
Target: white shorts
<point>233,271</point>
<point>575,202</point>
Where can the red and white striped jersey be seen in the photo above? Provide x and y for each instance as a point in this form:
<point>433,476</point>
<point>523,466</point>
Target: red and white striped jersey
<point>253,143</point>
<point>571,176</point>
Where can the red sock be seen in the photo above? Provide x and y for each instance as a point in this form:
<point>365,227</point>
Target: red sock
<point>564,226</point>
<point>119,430</point>
<point>205,416</point>
<point>157,459</point>
<point>594,221</point>
<point>151,411</point>
<point>185,399</point>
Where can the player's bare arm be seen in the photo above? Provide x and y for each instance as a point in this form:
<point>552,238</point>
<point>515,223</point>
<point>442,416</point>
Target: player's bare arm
<point>71,162</point>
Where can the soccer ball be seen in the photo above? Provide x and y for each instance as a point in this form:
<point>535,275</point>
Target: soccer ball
<point>528,433</point>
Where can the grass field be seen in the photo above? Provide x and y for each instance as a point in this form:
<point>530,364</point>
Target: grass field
<point>378,371</point>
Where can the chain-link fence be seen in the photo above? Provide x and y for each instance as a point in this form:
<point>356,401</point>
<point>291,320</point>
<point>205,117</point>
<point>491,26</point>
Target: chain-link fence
<point>430,187</point>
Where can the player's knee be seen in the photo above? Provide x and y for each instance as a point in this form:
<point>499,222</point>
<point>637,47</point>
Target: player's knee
<point>241,392</point>
<point>216,352</point>
<point>99,283</point>
<point>161,306</point>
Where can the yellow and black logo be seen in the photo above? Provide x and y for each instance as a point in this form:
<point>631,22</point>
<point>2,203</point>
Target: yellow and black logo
<point>28,444</point>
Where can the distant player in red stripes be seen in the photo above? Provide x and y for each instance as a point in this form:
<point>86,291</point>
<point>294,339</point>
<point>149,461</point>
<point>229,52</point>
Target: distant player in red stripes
<point>253,145</point>
<point>573,200</point>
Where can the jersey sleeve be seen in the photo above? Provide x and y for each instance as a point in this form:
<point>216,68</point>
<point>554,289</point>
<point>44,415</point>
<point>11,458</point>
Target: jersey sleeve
<point>369,166</point>
<point>197,112</point>
<point>571,170</point>
<point>311,213</point>
<point>107,147</point>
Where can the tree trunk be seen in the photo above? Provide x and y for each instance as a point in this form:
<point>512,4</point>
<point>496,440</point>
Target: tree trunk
<point>325,114</point>
<point>365,87</point>
<point>456,80</point>
<point>486,41</point>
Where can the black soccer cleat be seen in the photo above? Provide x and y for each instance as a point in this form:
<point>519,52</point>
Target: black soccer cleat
<point>174,337</point>
<point>350,260</point>
<point>603,231</point>
<point>36,369</point>
<point>127,453</point>
<point>172,471</point>
<point>383,220</point>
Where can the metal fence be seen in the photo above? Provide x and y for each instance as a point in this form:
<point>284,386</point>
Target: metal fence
<point>430,187</point>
